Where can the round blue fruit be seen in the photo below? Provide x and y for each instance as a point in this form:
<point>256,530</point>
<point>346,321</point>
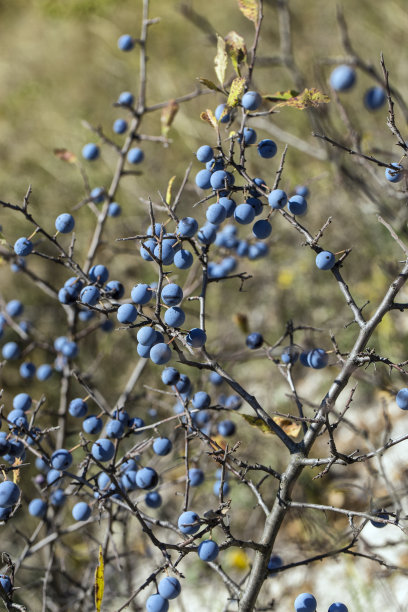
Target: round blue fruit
<point>162,446</point>
<point>274,563</point>
<point>160,353</point>
<point>78,408</point>
<point>126,98</point>
<point>170,376</point>
<point>172,294</point>
<point>254,340</point>
<point>208,550</point>
<point>249,136</point>
<point>317,358</point>
<point>297,205</point>
<point>216,214</point>
<point>11,350</point>
<point>22,401</point>
<point>14,308</point>
<point>135,156</point>
<point>201,400</point>
<point>147,478</point>
<point>183,259</point>
<point>325,260</point>
<point>202,179</point>
<point>219,111</point>
<point>169,587</point>
<point>81,511</point>
<point>244,214</point>
<point>267,148</point>
<point>114,209</point>
<point>380,524</point>
<point>141,294</point>
<point>188,522</point>
<point>44,371</point>
<point>374,98</point>
<point>61,459</point>
<point>305,602</point>
<point>126,42</point>
<point>401,399</point>
<point>5,581</point>
<point>196,337</point>
<point>64,223</point>
<point>92,425</point>
<point>226,428</point>
<point>394,174</point>
<point>89,295</point>
<point>126,313</point>
<point>251,100</point>
<point>156,603</point>
<point>153,499</point>
<point>120,126</point>
<point>187,226</point>
<point>9,494</point>
<point>23,247</point>
<point>262,229</point>
<point>37,507</point>
<point>90,151</point>
<point>103,450</point>
<point>204,154</point>
<point>343,78</point>
<point>338,607</point>
<point>196,477</point>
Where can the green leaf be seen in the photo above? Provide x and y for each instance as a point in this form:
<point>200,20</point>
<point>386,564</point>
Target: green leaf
<point>99,581</point>
<point>209,117</point>
<point>250,9</point>
<point>167,116</point>
<point>281,95</point>
<point>220,60</point>
<point>309,98</point>
<point>236,50</point>
<point>236,91</point>
<point>210,84</point>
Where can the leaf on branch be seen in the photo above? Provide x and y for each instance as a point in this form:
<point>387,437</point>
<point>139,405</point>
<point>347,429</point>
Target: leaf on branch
<point>99,581</point>
<point>236,50</point>
<point>220,60</point>
<point>241,321</point>
<point>16,473</point>
<point>209,117</point>
<point>167,116</point>
<point>236,91</point>
<point>65,155</point>
<point>250,9</point>
<point>209,84</point>
<point>168,192</point>
<point>282,95</point>
<point>308,98</point>
<point>289,427</point>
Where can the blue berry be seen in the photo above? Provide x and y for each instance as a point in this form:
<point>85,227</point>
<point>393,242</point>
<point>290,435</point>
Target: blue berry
<point>201,400</point>
<point>92,425</point>
<point>141,294</point>
<point>244,214</point>
<point>146,478</point>
<point>226,428</point>
<point>204,154</point>
<point>374,98</point>
<point>103,450</point>
<point>305,602</point>
<point>202,180</point>
<point>22,401</point>
<point>380,524</point>
<point>188,522</point>
<point>289,354</point>
<point>14,308</point>
<point>44,371</point>
<point>23,247</point>
<point>89,295</point>
<point>343,78</point>
<point>267,148</point>
<point>5,580</point>
<point>297,205</point>
<point>90,151</point>
<point>401,399</point>
<point>114,209</point>
<point>187,226</point>
<point>262,229</point>
<point>338,607</point>
<point>160,353</point>
<point>172,294</point>
<point>169,587</point>
<point>70,349</point>
<point>218,179</point>
<point>61,459</point>
<point>273,564</point>
<point>10,350</point>
<point>156,603</point>
<point>153,499</point>
<point>229,206</point>
<point>115,429</point>
<point>317,358</point>
<point>81,511</point>
<point>126,313</point>
<point>183,259</point>
<point>216,214</point>
<point>162,446</point>
<point>196,337</point>
<point>98,195</point>
<point>146,335</point>
<point>394,176</point>
<point>196,477</point>
<point>170,376</point>
<point>9,494</point>
<point>325,260</point>
<point>302,190</point>
<point>208,550</point>
<point>254,340</point>
<point>58,497</point>
<point>135,156</point>
<point>217,487</point>
<point>64,223</point>
<point>120,126</point>
<point>126,98</point>
<point>114,289</point>
<point>78,408</point>
<point>207,233</point>
<point>126,42</point>
<point>249,136</point>
<point>37,507</point>
<point>218,112</point>
<point>251,100</point>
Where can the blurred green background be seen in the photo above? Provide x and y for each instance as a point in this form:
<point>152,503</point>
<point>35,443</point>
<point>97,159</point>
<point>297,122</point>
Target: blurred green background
<point>60,66</point>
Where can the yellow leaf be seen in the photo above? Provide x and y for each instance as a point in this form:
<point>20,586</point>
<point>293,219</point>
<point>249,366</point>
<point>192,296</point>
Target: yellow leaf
<point>289,427</point>
<point>65,155</point>
<point>250,9</point>
<point>281,95</point>
<point>168,192</point>
<point>236,91</point>
<point>238,559</point>
<point>209,117</point>
<point>241,321</point>
<point>99,581</point>
<point>167,116</point>
<point>16,473</point>
<point>220,60</point>
<point>236,50</point>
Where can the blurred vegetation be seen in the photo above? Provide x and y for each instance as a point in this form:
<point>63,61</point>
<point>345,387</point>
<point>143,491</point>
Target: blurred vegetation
<point>60,66</point>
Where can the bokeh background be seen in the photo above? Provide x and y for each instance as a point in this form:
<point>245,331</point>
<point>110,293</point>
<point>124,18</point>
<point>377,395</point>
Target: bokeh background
<point>60,67</point>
